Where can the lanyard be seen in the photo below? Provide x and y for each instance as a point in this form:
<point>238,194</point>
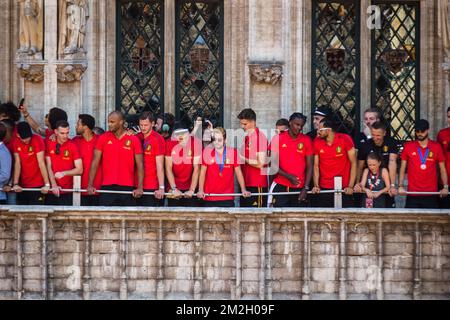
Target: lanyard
<point>423,157</point>
<point>371,185</point>
<point>224,158</point>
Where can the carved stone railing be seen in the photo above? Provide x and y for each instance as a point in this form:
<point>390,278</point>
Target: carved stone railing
<point>139,253</point>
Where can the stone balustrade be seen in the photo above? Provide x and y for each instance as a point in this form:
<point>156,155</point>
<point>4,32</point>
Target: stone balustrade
<point>183,253</point>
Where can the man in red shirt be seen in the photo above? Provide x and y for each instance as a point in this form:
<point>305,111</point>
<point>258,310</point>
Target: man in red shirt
<point>153,146</point>
<point>292,158</point>
<point>30,170</point>
<point>253,155</point>
<point>86,141</point>
<point>120,155</point>
<point>63,162</point>
<point>334,156</point>
<point>423,158</point>
<point>183,157</point>
<point>443,138</point>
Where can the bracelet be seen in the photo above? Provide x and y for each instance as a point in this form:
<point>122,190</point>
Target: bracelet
<point>162,187</point>
<point>446,186</point>
<point>393,185</point>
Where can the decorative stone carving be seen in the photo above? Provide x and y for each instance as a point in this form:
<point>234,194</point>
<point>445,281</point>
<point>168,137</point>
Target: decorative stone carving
<point>33,72</point>
<point>70,72</point>
<point>31,29</point>
<point>270,73</point>
<point>73,15</point>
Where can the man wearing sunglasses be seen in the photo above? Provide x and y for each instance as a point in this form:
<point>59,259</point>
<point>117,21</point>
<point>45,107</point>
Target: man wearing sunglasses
<point>423,158</point>
<point>63,162</point>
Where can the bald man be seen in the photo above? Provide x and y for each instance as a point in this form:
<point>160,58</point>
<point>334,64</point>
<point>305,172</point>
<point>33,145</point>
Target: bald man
<point>122,160</point>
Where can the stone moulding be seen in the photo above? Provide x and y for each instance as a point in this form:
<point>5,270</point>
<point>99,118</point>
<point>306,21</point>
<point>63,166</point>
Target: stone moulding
<point>31,71</point>
<point>71,72</point>
<point>266,72</point>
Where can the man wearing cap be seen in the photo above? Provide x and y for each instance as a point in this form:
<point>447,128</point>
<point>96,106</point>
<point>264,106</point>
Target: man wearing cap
<point>183,157</point>
<point>320,113</point>
<point>292,163</point>
<point>153,146</point>
<point>334,156</point>
<point>30,170</point>
<point>253,156</point>
<point>443,138</point>
<point>423,158</point>
<point>63,163</point>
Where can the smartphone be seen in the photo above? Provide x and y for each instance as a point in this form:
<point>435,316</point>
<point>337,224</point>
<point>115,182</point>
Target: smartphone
<point>22,101</point>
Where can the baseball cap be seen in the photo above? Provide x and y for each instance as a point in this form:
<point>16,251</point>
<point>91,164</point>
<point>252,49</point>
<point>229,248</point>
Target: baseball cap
<point>323,111</point>
<point>422,125</point>
<point>24,130</point>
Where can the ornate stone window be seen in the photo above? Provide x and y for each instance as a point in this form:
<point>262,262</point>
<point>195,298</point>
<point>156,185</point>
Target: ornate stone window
<point>199,60</point>
<point>140,56</point>
<point>395,66</point>
<point>335,59</point>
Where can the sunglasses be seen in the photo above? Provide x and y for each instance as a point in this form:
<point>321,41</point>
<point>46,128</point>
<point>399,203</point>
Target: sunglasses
<point>58,149</point>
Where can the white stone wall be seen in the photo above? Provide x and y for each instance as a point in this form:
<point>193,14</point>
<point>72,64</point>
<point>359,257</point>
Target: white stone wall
<point>255,31</point>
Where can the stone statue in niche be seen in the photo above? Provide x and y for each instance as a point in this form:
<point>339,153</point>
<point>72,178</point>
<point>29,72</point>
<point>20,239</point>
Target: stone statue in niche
<point>31,29</point>
<point>73,15</point>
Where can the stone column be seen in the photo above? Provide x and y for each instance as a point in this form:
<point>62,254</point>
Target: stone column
<point>50,56</point>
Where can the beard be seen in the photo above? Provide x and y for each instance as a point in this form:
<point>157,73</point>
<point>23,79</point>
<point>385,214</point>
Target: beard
<point>422,138</point>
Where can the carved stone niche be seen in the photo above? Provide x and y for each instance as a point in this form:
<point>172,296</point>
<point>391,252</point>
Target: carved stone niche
<point>70,72</point>
<point>266,72</point>
<point>31,71</point>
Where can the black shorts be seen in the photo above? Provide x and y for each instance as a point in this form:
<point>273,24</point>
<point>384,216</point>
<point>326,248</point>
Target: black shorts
<point>183,202</point>
<point>419,202</point>
<point>326,200</point>
<point>444,203</point>
<point>33,198</point>
<point>117,200</point>
<point>219,204</point>
<point>63,200</point>
<point>254,201</point>
<point>148,201</point>
<point>287,201</point>
<point>90,201</point>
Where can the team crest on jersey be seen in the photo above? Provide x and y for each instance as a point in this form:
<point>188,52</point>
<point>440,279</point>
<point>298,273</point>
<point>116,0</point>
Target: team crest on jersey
<point>339,150</point>
<point>66,153</point>
<point>128,143</point>
<point>386,149</point>
<point>300,146</point>
<point>227,161</point>
<point>190,153</point>
<point>30,149</point>
<point>431,155</point>
<point>149,148</point>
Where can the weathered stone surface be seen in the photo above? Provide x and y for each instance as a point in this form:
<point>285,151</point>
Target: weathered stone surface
<point>177,255</point>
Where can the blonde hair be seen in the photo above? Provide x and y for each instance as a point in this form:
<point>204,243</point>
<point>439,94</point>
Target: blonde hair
<point>221,131</point>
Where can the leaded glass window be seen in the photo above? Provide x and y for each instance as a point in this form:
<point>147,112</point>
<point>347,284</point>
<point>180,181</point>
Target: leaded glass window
<point>335,59</point>
<point>140,56</point>
<point>199,56</point>
<point>395,66</point>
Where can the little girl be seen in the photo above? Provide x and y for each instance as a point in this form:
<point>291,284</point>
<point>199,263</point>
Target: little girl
<point>375,182</point>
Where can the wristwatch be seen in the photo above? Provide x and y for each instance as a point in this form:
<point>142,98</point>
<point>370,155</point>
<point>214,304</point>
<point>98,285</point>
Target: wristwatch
<point>446,186</point>
<point>162,187</point>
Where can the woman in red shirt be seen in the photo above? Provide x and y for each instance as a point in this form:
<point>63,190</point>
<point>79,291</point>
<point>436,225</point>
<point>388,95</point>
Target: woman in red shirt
<point>219,166</point>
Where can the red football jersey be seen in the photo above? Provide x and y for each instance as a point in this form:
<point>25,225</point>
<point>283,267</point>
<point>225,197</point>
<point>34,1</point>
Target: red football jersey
<point>333,160</point>
<point>30,173</point>
<point>422,179</point>
<point>153,146</point>
<point>444,139</point>
<point>292,155</point>
<point>254,143</point>
<point>86,150</point>
<point>217,182</point>
<point>118,158</point>
<point>63,161</point>
<point>183,160</point>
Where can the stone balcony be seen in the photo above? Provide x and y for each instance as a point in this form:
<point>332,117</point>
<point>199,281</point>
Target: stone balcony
<point>184,253</point>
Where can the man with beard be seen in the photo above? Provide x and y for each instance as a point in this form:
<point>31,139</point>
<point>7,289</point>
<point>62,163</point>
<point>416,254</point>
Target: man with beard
<point>334,156</point>
<point>121,155</point>
<point>371,116</point>
<point>423,158</point>
<point>86,141</point>
<point>292,158</point>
